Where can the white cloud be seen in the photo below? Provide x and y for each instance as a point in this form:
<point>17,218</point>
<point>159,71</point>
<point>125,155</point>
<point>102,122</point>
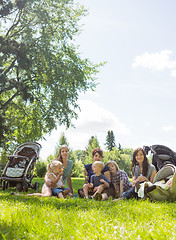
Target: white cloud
<point>93,121</point>
<point>169,128</point>
<point>158,61</point>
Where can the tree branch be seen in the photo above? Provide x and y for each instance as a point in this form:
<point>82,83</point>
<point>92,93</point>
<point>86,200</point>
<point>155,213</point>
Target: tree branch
<point>10,99</point>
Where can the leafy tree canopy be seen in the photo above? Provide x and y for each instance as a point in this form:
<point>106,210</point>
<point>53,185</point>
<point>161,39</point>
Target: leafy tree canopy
<point>41,72</point>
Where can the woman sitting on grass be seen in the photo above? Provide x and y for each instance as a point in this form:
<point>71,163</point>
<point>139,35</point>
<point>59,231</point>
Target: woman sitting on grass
<point>119,178</point>
<point>97,155</point>
<point>63,157</point>
<point>142,171</point>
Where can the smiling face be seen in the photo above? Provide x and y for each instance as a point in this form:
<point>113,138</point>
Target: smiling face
<point>139,156</point>
<point>64,153</point>
<point>112,168</point>
<point>97,157</point>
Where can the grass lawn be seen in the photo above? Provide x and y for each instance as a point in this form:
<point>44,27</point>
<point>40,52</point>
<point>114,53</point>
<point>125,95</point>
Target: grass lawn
<point>23,217</point>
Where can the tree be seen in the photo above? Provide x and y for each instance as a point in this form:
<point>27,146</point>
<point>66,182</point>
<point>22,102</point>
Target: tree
<point>93,143</point>
<point>62,141</point>
<point>110,140</point>
<point>41,73</point>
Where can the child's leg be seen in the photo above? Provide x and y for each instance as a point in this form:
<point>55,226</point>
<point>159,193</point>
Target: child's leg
<point>85,189</point>
<point>60,195</point>
<point>46,192</point>
<point>98,189</point>
<point>104,196</point>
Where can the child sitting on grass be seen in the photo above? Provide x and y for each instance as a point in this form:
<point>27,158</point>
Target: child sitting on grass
<point>98,183</point>
<point>119,178</point>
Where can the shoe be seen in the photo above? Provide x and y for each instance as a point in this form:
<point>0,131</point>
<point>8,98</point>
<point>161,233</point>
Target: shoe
<point>97,197</point>
<point>13,193</point>
<point>149,189</point>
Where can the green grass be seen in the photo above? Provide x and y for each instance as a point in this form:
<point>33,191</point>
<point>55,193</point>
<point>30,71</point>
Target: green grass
<point>23,217</point>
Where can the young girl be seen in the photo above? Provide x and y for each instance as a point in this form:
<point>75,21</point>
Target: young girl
<point>119,178</point>
<point>142,171</point>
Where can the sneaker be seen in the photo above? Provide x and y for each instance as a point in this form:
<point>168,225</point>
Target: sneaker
<point>149,189</point>
<point>97,197</point>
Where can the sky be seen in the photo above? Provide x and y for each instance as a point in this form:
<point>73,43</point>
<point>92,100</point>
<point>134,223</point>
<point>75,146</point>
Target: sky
<point>136,92</point>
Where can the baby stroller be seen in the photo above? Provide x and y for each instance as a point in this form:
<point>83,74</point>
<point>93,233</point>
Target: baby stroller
<point>18,171</point>
<point>161,155</point>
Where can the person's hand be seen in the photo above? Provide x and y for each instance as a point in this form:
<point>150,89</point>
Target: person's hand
<point>90,185</point>
<point>169,182</point>
<point>61,173</point>
<point>102,181</point>
<point>141,179</point>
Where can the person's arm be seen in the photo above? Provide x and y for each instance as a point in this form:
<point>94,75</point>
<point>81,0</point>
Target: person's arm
<point>121,187</point>
<point>152,176</point>
<point>105,183</point>
<point>48,182</point>
<point>108,175</point>
<point>133,180</point>
<point>55,180</point>
<point>86,176</point>
<point>69,182</point>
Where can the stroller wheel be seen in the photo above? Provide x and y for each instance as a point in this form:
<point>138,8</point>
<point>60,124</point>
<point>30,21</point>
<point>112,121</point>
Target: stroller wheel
<point>7,185</point>
<point>36,186</point>
<point>19,187</point>
<point>25,186</point>
<point>3,185</point>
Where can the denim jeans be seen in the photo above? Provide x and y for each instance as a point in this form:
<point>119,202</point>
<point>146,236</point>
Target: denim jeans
<point>130,193</point>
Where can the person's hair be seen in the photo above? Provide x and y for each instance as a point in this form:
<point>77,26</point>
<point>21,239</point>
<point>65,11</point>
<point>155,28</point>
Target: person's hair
<point>59,157</point>
<point>113,162</point>
<point>52,165</point>
<point>97,150</point>
<point>144,164</point>
<point>100,164</point>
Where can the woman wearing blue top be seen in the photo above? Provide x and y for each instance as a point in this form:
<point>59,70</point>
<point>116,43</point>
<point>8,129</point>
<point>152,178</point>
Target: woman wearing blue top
<point>63,156</point>
<point>97,155</point>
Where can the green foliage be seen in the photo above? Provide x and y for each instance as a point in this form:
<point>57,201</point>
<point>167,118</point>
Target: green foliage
<point>110,140</point>
<point>123,160</point>
<point>93,143</point>
<point>40,169</point>
<point>62,141</point>
<point>78,169</point>
<point>41,72</point>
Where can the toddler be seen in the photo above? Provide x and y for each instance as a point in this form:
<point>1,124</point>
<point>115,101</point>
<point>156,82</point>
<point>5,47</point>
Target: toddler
<point>98,183</point>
